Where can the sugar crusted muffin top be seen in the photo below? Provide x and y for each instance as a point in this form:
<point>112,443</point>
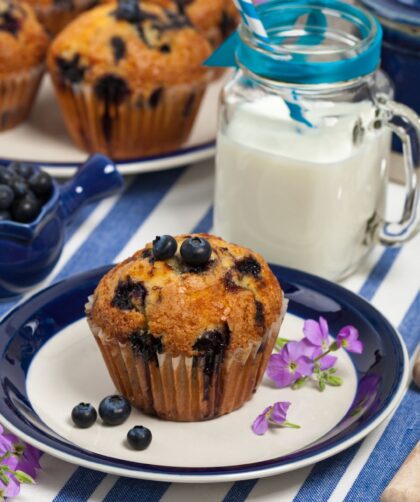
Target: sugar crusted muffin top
<point>177,308</point>
<point>23,41</point>
<point>207,15</point>
<point>138,44</point>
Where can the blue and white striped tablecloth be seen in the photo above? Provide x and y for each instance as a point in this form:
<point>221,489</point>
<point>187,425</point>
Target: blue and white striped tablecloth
<point>181,201</point>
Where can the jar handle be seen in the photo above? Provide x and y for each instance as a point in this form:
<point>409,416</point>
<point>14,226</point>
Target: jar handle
<point>405,123</point>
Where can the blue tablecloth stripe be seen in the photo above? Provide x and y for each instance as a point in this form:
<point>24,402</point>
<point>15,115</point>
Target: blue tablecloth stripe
<point>378,273</point>
<point>113,233</point>
<point>240,490</point>
<point>401,434</point>
<point>136,490</point>
<point>206,223</point>
<point>80,487</point>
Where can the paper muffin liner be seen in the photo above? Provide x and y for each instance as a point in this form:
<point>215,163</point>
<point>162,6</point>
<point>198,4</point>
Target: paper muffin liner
<point>178,388</point>
<point>17,94</point>
<point>140,125</point>
<point>55,16</point>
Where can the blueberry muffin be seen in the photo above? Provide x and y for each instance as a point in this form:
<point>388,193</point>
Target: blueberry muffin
<point>54,15</point>
<point>215,19</point>
<point>186,326</point>
<point>129,78</point>
<point>23,45</point>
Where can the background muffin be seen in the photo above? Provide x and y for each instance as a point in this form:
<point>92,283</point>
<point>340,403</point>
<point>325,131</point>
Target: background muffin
<point>215,19</point>
<point>56,14</point>
<point>23,44</point>
<point>188,342</point>
<point>129,78</point>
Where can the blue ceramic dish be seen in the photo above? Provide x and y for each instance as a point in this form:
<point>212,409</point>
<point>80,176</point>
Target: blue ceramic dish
<point>381,377</point>
<point>28,252</point>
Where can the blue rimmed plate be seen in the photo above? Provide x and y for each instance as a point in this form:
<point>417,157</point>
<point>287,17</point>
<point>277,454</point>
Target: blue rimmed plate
<point>49,362</point>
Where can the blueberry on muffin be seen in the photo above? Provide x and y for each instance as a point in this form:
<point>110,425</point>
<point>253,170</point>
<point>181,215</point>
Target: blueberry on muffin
<point>23,45</point>
<point>137,68</point>
<point>186,325</point>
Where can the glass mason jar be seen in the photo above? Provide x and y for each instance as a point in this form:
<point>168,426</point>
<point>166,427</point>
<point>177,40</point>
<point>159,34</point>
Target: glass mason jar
<point>304,140</point>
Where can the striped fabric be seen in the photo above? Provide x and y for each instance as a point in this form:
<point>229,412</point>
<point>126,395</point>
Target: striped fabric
<point>250,17</point>
<point>180,201</point>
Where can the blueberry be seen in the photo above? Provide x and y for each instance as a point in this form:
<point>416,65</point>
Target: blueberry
<point>5,215</point>
<point>22,169</point>
<point>164,247</point>
<point>20,188</point>
<point>7,196</point>
<point>139,437</point>
<point>128,10</point>
<point>84,415</point>
<point>41,184</point>
<point>114,410</point>
<point>25,210</point>
<point>6,177</point>
<point>196,251</point>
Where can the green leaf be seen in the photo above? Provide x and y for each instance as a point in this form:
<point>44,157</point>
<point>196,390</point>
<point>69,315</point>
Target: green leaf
<point>332,370</point>
<point>281,342</point>
<point>335,381</point>
<point>4,478</point>
<point>299,383</point>
<point>317,369</point>
<point>322,385</point>
<point>22,477</point>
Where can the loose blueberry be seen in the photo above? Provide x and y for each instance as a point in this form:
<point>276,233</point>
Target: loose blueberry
<point>84,415</point>
<point>114,410</point>
<point>41,184</point>
<point>5,215</point>
<point>196,251</point>
<point>25,210</point>
<point>20,188</point>
<point>7,196</point>
<point>22,169</point>
<point>164,247</point>
<point>139,437</point>
<point>6,176</point>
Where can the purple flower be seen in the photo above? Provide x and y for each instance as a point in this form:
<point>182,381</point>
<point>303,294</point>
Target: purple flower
<point>276,414</point>
<point>290,364</point>
<point>316,337</point>
<point>348,338</point>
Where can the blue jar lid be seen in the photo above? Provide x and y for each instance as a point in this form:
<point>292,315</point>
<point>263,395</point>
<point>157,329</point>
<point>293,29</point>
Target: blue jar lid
<point>399,11</point>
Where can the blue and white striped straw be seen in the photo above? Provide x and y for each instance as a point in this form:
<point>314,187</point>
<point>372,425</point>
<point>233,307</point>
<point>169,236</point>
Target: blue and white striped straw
<point>251,19</point>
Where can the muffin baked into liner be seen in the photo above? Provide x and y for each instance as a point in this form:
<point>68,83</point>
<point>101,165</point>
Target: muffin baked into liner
<point>17,94</point>
<point>135,126</point>
<point>129,78</point>
<point>184,388</point>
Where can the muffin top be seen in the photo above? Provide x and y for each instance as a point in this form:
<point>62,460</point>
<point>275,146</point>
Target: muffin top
<point>231,299</point>
<point>207,14</point>
<point>137,45</point>
<point>23,41</point>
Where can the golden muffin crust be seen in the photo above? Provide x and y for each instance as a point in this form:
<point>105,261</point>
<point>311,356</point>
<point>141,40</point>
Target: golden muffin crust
<point>141,46</point>
<point>208,15</point>
<point>235,294</point>
<point>23,41</point>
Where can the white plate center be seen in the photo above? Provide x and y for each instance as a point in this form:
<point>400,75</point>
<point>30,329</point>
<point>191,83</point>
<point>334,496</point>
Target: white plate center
<point>69,370</point>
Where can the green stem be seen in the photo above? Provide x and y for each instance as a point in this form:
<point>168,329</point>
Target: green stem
<point>322,355</point>
<point>291,425</point>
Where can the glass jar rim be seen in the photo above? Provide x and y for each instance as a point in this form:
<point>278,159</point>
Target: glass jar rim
<point>311,62</point>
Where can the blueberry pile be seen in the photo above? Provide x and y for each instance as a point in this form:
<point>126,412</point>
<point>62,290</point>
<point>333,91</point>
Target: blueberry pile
<point>195,251</point>
<point>113,410</point>
<point>24,189</point>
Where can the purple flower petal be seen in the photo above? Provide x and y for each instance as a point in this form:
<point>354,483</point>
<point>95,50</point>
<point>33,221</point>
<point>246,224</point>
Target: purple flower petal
<point>324,328</point>
<point>260,425</point>
<point>310,350</point>
<point>312,332</point>
<point>292,351</point>
<point>279,412</point>
<point>279,371</point>
<point>305,366</point>
<point>327,362</point>
<point>348,338</point>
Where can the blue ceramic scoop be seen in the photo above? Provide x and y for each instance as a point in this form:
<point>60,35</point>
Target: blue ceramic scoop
<point>28,252</point>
